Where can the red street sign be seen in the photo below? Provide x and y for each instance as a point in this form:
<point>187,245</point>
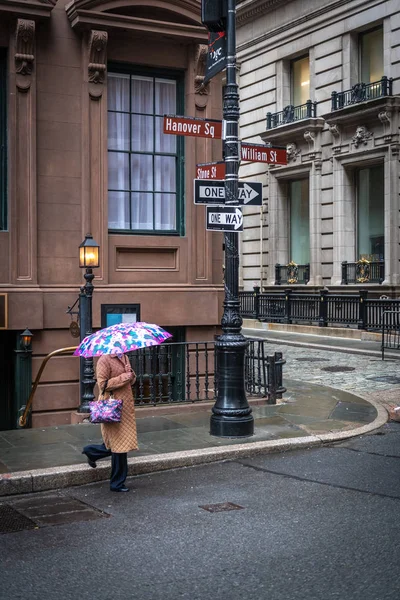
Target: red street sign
<point>265,154</point>
<point>214,170</point>
<point>207,128</point>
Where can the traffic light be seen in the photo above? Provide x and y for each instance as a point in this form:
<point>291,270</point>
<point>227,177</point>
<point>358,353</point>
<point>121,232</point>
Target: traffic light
<point>213,14</point>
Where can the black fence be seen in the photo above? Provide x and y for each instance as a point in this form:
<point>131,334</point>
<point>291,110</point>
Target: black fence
<point>390,331</point>
<point>291,274</point>
<point>321,308</point>
<point>363,272</point>
<point>361,92</point>
<point>292,113</point>
<point>186,373</point>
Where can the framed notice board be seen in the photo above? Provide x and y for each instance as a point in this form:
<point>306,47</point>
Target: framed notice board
<point>3,311</point>
<point>111,314</point>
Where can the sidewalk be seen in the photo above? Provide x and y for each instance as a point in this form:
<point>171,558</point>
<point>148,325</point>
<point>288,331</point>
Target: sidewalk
<point>310,414</point>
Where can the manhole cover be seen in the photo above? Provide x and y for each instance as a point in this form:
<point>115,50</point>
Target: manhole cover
<point>224,506</point>
<point>312,359</point>
<point>385,379</point>
<point>51,510</point>
<point>338,369</point>
<point>11,520</point>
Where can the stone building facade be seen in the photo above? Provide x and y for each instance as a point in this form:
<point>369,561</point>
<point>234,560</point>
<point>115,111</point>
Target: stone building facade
<point>322,78</point>
<point>84,85</point>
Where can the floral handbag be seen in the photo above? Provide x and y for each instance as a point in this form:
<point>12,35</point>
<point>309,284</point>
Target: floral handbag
<point>105,410</point>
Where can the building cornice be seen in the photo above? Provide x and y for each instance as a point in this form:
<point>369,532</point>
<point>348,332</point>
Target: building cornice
<point>95,14</point>
<point>87,19</point>
<point>248,10</point>
<point>309,19</point>
<point>27,8</point>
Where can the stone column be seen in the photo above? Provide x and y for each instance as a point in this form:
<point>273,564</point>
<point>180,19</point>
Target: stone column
<point>23,154</point>
<point>94,145</point>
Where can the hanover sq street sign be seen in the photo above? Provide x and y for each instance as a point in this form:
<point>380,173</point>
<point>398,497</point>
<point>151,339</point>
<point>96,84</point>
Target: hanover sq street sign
<point>213,192</point>
<point>224,218</point>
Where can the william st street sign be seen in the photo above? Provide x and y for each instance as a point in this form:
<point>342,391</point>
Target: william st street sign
<point>213,192</point>
<point>227,218</point>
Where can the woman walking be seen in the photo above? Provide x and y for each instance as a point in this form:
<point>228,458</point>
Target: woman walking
<point>114,373</point>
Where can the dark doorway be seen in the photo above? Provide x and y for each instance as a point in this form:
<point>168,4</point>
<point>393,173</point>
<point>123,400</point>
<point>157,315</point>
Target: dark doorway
<point>7,343</point>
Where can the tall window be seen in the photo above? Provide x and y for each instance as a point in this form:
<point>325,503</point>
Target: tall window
<point>371,55</point>
<point>3,139</point>
<point>144,165</point>
<point>370,213</point>
<point>300,84</point>
<point>299,214</point>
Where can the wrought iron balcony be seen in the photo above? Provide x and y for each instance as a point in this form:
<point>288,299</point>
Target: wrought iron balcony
<point>292,113</point>
<point>292,274</point>
<point>361,92</point>
<point>363,271</point>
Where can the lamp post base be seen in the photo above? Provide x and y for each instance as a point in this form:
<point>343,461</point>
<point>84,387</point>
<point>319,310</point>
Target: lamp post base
<point>231,413</point>
<point>231,427</point>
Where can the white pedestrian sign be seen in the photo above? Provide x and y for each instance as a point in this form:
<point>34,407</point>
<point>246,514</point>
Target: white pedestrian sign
<point>208,191</point>
<point>227,218</point>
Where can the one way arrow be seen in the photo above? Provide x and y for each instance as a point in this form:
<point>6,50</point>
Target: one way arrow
<point>247,193</point>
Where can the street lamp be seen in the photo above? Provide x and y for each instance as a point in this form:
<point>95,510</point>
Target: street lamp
<point>231,413</point>
<point>26,339</point>
<point>89,260</point>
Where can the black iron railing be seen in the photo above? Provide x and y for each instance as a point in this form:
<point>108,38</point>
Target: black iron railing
<point>263,374</point>
<point>390,331</point>
<point>361,92</point>
<point>292,113</point>
<point>186,373</point>
<point>292,274</point>
<point>321,308</point>
<point>363,272</point>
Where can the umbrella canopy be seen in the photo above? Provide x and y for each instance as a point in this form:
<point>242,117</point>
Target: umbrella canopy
<point>120,338</point>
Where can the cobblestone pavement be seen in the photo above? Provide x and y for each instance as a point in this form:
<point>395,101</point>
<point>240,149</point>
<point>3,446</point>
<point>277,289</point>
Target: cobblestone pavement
<point>366,376</point>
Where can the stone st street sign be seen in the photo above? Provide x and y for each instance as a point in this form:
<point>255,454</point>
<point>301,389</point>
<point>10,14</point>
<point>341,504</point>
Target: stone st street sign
<point>191,126</point>
<point>213,192</point>
<point>227,218</point>
<point>214,170</point>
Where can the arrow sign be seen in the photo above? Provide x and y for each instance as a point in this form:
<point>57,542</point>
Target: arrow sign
<point>227,218</point>
<point>213,192</point>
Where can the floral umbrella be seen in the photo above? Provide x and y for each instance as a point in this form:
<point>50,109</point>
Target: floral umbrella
<point>120,338</point>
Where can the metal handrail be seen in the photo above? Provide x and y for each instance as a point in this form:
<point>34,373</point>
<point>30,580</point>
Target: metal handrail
<point>23,417</point>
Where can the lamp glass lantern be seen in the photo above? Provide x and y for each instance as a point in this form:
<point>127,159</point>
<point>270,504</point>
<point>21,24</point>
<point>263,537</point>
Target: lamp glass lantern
<point>26,339</point>
<point>89,253</point>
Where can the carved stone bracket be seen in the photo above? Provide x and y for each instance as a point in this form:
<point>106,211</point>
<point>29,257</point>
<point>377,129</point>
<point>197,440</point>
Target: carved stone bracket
<point>310,139</point>
<point>97,66</point>
<point>334,129</point>
<point>362,136</point>
<point>385,118</point>
<point>24,52</point>
<point>200,89</point>
<point>292,152</point>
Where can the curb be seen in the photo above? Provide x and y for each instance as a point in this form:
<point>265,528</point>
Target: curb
<point>315,346</point>
<point>40,480</point>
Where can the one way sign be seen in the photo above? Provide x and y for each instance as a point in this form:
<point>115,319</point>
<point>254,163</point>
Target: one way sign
<point>208,191</point>
<point>227,218</point>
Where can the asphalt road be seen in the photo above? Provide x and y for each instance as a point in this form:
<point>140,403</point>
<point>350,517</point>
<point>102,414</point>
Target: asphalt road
<point>315,524</point>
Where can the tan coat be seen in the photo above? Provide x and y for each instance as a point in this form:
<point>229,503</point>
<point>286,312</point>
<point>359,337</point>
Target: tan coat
<point>119,437</point>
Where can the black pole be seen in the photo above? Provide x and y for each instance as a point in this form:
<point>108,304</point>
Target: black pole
<point>231,413</point>
<point>87,381</point>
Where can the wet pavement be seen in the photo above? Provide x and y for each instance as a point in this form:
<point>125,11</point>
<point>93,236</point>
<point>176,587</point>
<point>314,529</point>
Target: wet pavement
<point>307,409</point>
